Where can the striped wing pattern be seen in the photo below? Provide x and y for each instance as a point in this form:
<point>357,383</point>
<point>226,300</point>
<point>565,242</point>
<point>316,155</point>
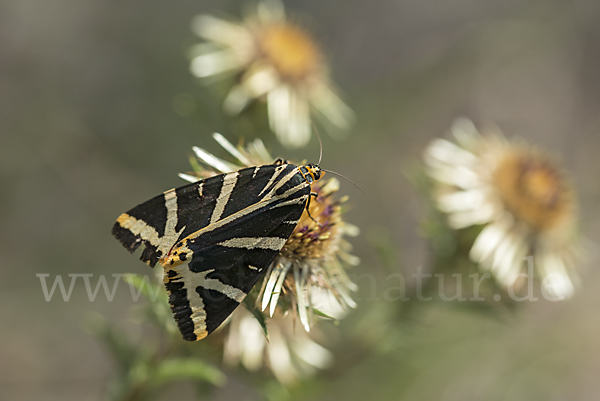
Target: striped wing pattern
<point>215,238</point>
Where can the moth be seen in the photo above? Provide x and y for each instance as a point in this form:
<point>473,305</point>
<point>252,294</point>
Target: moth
<point>216,237</point>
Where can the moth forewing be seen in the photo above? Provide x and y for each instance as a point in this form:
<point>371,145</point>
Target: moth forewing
<point>216,237</point>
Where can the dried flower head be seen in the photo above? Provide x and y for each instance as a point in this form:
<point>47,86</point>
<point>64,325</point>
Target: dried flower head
<point>520,196</point>
<point>277,60</point>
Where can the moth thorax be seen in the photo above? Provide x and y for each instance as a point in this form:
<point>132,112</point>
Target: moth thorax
<point>311,172</point>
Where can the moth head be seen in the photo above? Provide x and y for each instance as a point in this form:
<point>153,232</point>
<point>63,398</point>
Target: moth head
<point>311,172</point>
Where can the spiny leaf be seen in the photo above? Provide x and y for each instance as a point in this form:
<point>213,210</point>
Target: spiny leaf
<point>258,315</point>
<point>322,314</point>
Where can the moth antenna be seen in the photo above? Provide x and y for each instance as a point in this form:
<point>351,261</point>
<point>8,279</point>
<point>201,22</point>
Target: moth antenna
<point>320,142</point>
<point>308,209</point>
<point>352,182</point>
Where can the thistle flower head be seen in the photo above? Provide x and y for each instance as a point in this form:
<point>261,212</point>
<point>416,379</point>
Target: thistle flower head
<point>310,266</point>
<point>518,194</point>
<point>291,52</point>
<point>534,189</point>
<point>290,354</point>
<point>307,277</point>
<point>276,60</point>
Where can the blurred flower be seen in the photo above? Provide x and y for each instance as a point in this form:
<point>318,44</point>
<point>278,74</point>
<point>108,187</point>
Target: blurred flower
<point>520,196</point>
<point>277,61</point>
<point>307,278</point>
<point>288,352</point>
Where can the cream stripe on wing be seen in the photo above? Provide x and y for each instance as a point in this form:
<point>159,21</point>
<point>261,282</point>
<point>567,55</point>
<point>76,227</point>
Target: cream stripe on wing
<point>278,171</point>
<point>170,236</point>
<point>258,205</point>
<point>274,243</point>
<point>284,181</point>
<point>196,302</point>
<point>138,227</point>
<point>293,190</point>
<point>149,233</point>
<point>228,184</point>
<point>200,279</point>
<point>292,201</point>
<point>234,216</point>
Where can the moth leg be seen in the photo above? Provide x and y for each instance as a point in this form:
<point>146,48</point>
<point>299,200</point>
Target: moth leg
<point>280,161</point>
<point>308,208</point>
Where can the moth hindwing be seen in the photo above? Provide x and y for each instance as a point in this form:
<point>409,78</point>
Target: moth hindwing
<point>215,238</point>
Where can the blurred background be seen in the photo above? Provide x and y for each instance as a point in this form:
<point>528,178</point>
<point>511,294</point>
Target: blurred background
<point>98,112</point>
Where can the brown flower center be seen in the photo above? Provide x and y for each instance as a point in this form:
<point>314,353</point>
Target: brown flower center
<point>533,190</point>
<point>291,51</point>
<point>311,240</point>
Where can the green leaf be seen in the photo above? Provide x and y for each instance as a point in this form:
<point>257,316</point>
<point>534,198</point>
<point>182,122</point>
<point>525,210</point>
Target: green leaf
<point>195,165</point>
<point>187,368</point>
<point>380,238</point>
<point>322,314</point>
<point>158,312</point>
<point>144,287</point>
<point>120,347</point>
<point>249,304</point>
